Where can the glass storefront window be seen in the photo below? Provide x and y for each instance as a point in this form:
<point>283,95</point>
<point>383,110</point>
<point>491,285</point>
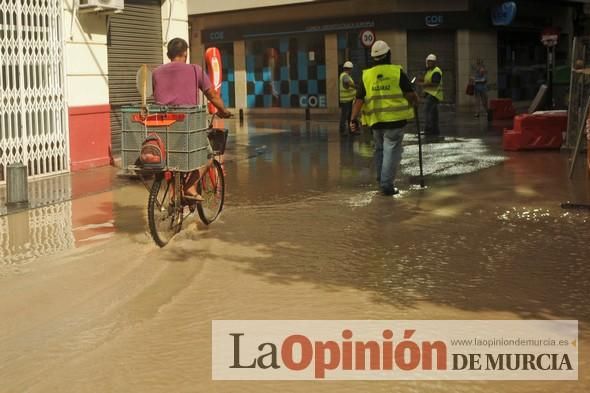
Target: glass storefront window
<point>286,72</point>
<point>522,65</point>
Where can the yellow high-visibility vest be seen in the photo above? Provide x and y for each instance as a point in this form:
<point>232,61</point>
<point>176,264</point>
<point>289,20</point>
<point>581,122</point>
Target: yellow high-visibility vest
<point>384,101</point>
<point>346,94</point>
<point>436,91</point>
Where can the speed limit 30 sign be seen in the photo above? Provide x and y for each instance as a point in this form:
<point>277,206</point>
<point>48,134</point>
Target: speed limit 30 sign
<point>367,38</point>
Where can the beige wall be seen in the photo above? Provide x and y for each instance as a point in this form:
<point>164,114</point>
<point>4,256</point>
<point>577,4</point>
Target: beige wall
<point>398,42</point>
<point>240,74</point>
<point>470,46</point>
<point>332,77</point>
<point>205,7</point>
<point>86,54</point>
<point>86,62</point>
<point>197,47</point>
<point>174,21</point>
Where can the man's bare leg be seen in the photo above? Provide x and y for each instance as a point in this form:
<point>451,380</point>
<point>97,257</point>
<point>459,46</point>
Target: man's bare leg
<point>190,187</point>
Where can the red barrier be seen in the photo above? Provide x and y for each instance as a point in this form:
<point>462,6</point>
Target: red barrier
<point>502,108</point>
<point>536,131</point>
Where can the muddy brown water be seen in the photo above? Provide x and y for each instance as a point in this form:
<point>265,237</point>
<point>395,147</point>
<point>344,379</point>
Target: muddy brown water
<point>88,303</point>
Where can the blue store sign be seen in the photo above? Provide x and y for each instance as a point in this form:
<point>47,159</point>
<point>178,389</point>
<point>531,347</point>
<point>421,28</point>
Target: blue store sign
<point>433,20</point>
<point>503,14</point>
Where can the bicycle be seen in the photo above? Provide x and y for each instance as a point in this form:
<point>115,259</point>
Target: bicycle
<point>167,202</point>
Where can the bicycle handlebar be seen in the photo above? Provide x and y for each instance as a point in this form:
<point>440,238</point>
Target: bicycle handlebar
<point>230,115</point>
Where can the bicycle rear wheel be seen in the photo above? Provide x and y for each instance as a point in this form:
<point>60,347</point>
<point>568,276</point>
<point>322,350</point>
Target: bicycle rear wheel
<point>212,189</point>
<point>165,214</point>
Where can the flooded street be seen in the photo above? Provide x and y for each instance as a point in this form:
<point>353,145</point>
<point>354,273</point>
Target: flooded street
<point>88,303</point>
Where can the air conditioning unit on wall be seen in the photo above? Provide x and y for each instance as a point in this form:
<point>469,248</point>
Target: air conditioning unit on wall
<point>101,5</point>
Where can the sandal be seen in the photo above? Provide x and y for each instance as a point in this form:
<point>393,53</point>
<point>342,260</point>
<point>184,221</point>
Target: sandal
<point>193,197</point>
<point>190,193</point>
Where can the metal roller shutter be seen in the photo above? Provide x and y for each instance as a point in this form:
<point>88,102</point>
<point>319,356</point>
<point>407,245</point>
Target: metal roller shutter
<point>135,38</point>
<point>442,44</point>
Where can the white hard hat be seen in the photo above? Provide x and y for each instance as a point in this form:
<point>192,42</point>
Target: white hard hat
<point>347,64</point>
<point>379,49</point>
<point>431,57</point>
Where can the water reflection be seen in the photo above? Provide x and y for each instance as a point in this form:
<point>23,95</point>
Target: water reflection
<point>404,252</point>
<point>486,240</point>
<point>34,233</point>
<point>43,192</point>
<point>67,212</point>
<point>286,158</point>
<point>304,235</point>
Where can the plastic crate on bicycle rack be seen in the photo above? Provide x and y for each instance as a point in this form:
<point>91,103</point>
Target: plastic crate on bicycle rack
<point>182,129</point>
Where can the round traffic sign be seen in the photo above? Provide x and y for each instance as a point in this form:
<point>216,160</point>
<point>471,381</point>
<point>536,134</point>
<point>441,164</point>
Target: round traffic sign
<point>550,36</point>
<point>367,38</point>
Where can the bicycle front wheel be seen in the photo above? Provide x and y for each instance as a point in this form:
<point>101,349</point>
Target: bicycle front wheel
<point>212,189</point>
<point>164,212</point>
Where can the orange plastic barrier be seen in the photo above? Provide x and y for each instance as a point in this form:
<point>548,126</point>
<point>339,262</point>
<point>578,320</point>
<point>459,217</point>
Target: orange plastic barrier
<point>502,108</point>
<point>543,130</point>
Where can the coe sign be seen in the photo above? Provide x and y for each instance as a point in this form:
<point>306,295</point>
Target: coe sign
<point>367,38</point>
<point>312,101</point>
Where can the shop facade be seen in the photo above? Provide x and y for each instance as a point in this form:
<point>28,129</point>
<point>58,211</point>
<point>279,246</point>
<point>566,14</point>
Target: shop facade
<point>294,61</point>
<point>103,51</point>
<point>65,69</point>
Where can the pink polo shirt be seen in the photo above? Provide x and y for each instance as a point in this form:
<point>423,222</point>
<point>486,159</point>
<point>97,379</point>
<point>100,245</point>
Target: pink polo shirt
<point>176,83</point>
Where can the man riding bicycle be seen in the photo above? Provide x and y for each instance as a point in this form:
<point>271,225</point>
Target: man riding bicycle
<point>177,83</point>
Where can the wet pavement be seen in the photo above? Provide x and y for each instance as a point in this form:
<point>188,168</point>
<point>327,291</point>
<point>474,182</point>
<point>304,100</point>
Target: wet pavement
<point>89,303</point>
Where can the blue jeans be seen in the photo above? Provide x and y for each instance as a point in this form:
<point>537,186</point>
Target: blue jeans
<point>388,154</point>
<point>431,112</point>
<point>345,112</point>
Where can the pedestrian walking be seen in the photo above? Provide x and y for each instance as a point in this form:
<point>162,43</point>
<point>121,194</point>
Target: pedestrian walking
<point>387,99</point>
<point>480,88</point>
<point>432,86</point>
<point>347,94</point>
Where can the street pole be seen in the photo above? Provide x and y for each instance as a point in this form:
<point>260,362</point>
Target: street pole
<point>549,38</point>
<point>550,61</point>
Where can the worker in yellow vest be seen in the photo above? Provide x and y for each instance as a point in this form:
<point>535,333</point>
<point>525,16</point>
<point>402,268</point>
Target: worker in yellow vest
<point>347,94</point>
<point>432,86</point>
<point>387,99</point>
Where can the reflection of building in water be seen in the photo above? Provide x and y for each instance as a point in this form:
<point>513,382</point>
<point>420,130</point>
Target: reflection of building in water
<point>289,154</point>
<point>36,232</point>
<point>54,190</point>
<point>43,192</point>
<point>41,230</point>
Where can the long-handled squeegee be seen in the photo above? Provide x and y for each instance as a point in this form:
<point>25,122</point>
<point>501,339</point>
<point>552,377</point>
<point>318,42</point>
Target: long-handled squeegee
<point>418,132</point>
